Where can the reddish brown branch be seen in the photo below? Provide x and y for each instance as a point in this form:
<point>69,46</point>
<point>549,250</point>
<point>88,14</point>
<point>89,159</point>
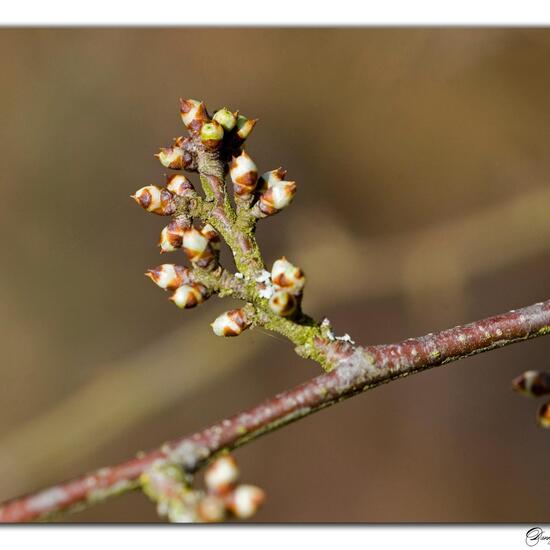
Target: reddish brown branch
<point>356,369</point>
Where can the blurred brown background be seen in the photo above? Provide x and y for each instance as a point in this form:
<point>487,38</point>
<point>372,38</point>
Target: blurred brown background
<point>422,158</point>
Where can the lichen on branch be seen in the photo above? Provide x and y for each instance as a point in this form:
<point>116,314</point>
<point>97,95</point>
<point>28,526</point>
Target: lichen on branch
<point>272,298</point>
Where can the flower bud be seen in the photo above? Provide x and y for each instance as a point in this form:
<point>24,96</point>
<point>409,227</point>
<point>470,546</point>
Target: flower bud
<point>246,500</point>
<point>198,249</point>
<point>168,276</point>
<point>213,236</point>
<point>211,509</point>
<point>171,157</point>
<point>230,323</point>
<point>275,198</point>
<point>171,237</point>
<point>221,475</point>
<point>283,303</point>
<point>226,118</point>
<point>288,277</point>
<point>156,200</point>
<point>244,174</point>
<point>269,178</point>
<point>212,134</point>
<point>245,126</point>
<point>193,114</point>
<point>544,416</point>
<point>188,296</point>
<point>178,184</point>
<point>532,383</point>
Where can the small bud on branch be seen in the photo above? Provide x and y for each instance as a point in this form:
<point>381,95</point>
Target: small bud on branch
<point>193,114</point>
<point>230,323</point>
<point>168,276</point>
<point>226,119</point>
<point>156,200</point>
<point>189,296</point>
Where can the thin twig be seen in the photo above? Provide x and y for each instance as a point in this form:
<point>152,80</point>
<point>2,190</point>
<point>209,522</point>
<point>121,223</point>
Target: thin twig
<point>356,369</point>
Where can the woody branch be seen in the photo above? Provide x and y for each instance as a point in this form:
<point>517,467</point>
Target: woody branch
<point>357,369</point>
<point>272,300</point>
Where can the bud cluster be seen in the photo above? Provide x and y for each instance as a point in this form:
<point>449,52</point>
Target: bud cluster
<point>214,148</point>
<point>187,293</point>
<point>171,489</point>
<point>225,495</point>
<point>534,383</point>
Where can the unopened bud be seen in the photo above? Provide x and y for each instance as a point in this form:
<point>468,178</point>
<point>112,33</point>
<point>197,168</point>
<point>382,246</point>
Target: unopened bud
<point>211,509</point>
<point>171,237</point>
<point>171,157</point>
<point>245,126</point>
<point>193,114</point>
<point>178,184</point>
<point>226,118</point>
<point>287,276</point>
<point>230,323</point>
<point>188,296</point>
<point>212,134</point>
<point>213,236</point>
<point>544,416</point>
<point>221,475</point>
<point>156,200</point>
<point>532,383</point>
<point>244,174</point>
<point>283,303</point>
<point>269,178</point>
<point>275,198</point>
<point>197,248</point>
<point>168,276</point>
<point>246,500</point>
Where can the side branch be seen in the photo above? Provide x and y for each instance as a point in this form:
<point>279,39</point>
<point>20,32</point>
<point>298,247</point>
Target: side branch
<point>356,369</point>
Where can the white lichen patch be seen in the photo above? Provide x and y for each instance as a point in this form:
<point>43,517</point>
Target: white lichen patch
<point>46,499</point>
<point>345,338</point>
<point>239,275</point>
<point>266,292</point>
<point>263,277</point>
<point>327,330</point>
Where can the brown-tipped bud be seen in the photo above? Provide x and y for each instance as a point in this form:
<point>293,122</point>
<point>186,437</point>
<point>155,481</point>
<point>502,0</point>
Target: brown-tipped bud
<point>287,276</point>
<point>283,303</point>
<point>226,118</point>
<point>178,184</point>
<point>171,237</point>
<point>543,416</point>
<point>193,114</point>
<point>212,135</point>
<point>211,509</point>
<point>245,501</point>
<point>188,296</point>
<point>269,178</point>
<point>221,475</point>
<point>213,236</point>
<point>244,174</point>
<point>172,157</point>
<point>245,126</point>
<point>230,323</point>
<point>156,200</point>
<point>168,276</point>
<point>275,198</point>
<point>198,249</point>
<point>532,383</point>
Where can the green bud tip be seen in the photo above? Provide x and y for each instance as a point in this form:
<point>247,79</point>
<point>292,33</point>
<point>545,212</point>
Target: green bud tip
<point>226,118</point>
<point>211,131</point>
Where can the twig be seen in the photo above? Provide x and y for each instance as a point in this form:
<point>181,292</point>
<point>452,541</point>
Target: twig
<point>357,369</point>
